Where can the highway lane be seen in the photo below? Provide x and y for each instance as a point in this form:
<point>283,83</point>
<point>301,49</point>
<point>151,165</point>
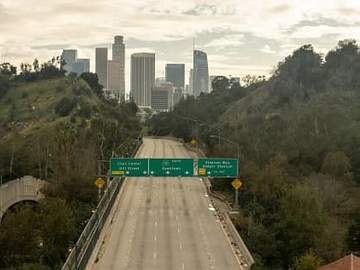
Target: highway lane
<point>165,223</point>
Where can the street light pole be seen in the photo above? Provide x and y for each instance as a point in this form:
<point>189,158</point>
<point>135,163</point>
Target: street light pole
<point>236,200</point>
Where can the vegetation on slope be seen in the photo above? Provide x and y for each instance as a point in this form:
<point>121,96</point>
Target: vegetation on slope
<point>55,127</point>
<point>299,138</point>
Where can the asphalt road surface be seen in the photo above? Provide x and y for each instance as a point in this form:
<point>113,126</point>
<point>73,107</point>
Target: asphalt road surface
<point>165,223</point>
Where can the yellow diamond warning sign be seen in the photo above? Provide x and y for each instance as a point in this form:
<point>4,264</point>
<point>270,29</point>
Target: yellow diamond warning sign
<point>236,183</point>
<point>99,182</point>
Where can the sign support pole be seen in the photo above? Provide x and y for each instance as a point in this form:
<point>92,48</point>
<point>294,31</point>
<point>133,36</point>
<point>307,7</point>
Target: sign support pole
<point>99,194</point>
<point>236,202</point>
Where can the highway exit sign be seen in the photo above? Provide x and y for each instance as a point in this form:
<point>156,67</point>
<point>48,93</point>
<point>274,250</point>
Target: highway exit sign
<point>218,167</point>
<point>129,167</point>
<point>171,167</point>
<point>174,167</point>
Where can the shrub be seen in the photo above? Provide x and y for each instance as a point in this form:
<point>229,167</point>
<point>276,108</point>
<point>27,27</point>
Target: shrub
<point>64,106</point>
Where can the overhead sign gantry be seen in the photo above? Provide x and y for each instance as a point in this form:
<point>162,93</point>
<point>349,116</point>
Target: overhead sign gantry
<point>174,167</point>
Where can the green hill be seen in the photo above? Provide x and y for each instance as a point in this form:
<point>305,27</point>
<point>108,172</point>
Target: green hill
<point>56,128</point>
<point>299,139</point>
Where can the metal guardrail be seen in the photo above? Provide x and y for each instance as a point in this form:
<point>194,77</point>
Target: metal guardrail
<point>81,252</point>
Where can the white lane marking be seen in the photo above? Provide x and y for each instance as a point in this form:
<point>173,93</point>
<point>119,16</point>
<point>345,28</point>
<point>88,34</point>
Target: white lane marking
<point>178,229</point>
<point>156,223</point>
<point>180,246</point>
<point>183,266</point>
<point>155,237</point>
<point>155,255</point>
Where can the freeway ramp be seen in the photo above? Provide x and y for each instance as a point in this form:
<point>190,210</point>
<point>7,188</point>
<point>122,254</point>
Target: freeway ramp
<point>164,223</point>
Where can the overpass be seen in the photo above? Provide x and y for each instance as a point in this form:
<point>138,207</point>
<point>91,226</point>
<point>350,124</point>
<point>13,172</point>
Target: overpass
<point>165,223</point>
<point>26,188</point>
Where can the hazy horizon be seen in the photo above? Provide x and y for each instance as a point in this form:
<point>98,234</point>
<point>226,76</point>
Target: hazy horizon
<point>239,38</point>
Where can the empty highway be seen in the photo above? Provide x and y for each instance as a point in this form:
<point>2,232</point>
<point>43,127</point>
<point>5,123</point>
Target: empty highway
<point>165,223</point>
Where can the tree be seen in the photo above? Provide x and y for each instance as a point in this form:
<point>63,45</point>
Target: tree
<point>336,164</point>
<point>220,83</point>
<point>57,229</point>
<point>4,84</point>
<point>7,69</point>
<point>300,222</point>
<point>310,261</point>
<point>249,80</point>
<point>353,237</point>
<point>36,65</point>
<point>64,107</point>
<point>93,82</point>
<point>19,237</point>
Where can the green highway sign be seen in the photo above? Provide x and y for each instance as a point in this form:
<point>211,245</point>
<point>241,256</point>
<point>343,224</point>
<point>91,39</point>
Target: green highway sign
<point>171,167</point>
<point>129,167</point>
<point>218,167</point>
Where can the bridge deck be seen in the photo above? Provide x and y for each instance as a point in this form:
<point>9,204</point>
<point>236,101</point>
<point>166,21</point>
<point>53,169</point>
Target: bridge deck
<point>165,223</point>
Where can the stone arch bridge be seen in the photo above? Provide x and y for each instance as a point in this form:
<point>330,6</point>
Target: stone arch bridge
<point>26,188</point>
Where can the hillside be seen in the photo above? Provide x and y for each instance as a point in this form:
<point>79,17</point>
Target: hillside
<point>299,139</point>
<point>56,128</point>
<point>32,112</point>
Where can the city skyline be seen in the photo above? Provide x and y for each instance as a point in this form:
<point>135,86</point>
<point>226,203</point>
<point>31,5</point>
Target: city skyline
<point>230,33</point>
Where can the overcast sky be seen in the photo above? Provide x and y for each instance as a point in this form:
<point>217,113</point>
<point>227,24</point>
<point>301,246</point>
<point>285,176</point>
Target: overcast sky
<point>240,36</point>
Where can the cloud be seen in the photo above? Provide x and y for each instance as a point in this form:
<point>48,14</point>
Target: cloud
<point>234,40</point>
<point>319,31</point>
<point>225,28</point>
<point>211,10</point>
<point>267,49</point>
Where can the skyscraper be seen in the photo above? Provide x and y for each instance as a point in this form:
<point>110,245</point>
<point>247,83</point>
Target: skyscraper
<point>175,73</point>
<point>162,97</point>
<point>191,82</point>
<point>113,79</point>
<point>118,55</point>
<point>142,78</point>
<point>69,57</point>
<point>101,57</point>
<point>81,66</point>
<point>200,73</point>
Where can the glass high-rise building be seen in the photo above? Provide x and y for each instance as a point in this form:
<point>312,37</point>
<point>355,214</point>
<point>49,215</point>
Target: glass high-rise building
<point>200,73</point>
<point>69,57</point>
<point>101,65</point>
<point>142,78</point>
<point>82,65</point>
<point>73,64</point>
<point>175,73</point>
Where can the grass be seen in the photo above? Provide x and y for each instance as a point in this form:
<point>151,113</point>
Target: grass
<point>29,108</point>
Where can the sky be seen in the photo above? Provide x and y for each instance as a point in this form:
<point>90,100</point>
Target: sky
<point>240,36</point>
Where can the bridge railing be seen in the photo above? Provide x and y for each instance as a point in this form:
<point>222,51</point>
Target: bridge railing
<point>81,252</point>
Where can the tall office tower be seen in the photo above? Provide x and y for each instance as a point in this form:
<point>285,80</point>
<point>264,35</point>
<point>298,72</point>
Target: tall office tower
<point>162,97</point>
<point>101,62</point>
<point>113,79</point>
<point>81,66</point>
<point>69,57</point>
<point>191,82</point>
<point>175,73</point>
<point>201,73</point>
<point>142,78</point>
<point>118,55</point>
